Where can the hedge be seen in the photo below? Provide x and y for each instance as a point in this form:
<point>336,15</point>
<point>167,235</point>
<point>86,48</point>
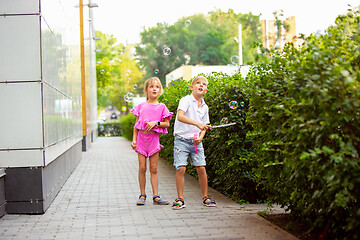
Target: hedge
<point>304,111</point>
<point>226,149</point>
<point>296,141</point>
<point>110,129</point>
<point>127,124</point>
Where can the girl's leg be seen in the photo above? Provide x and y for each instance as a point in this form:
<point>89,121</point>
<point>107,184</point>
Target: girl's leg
<point>154,179</point>
<point>142,172</point>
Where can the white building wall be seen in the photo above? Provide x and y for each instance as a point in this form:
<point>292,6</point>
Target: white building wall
<point>40,90</point>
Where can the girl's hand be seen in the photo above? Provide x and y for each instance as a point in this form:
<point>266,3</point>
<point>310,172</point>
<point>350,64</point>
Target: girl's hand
<point>133,145</point>
<point>150,125</point>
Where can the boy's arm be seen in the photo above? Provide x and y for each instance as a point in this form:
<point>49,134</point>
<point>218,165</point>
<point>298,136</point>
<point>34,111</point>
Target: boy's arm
<point>198,140</point>
<point>182,118</point>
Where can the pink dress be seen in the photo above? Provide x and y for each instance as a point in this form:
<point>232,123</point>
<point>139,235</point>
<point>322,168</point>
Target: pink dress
<point>148,143</point>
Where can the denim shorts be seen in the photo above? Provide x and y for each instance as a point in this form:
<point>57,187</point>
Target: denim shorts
<point>184,148</point>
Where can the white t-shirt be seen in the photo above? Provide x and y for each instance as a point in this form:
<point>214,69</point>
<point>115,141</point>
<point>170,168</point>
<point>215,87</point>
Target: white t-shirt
<point>200,114</point>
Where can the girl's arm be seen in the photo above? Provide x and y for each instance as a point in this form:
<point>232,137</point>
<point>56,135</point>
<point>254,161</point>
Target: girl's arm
<point>164,124</point>
<point>135,133</point>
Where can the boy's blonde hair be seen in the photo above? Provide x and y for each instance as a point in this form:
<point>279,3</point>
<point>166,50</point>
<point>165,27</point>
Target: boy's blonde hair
<point>149,81</point>
<point>197,78</point>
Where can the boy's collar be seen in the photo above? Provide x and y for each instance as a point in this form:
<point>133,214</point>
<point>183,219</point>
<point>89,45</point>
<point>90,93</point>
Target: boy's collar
<point>194,100</point>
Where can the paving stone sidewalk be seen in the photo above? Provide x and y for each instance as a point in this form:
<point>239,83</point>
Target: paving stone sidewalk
<point>98,202</point>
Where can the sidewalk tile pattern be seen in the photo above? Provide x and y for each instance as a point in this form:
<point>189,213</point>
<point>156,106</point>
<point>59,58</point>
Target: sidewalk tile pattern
<point>98,202</point>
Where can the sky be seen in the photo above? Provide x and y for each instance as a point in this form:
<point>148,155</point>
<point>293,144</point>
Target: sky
<point>126,19</point>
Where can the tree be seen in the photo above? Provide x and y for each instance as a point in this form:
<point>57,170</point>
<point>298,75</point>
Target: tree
<point>281,27</point>
<point>228,23</point>
<point>208,40</point>
<point>103,82</point>
<point>117,72</point>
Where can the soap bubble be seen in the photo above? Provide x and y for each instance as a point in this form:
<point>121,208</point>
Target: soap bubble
<point>129,72</point>
<point>166,51</point>
<point>224,120</point>
<point>135,86</point>
<point>156,71</point>
<point>235,59</point>
<point>102,71</point>
<point>187,23</point>
<point>242,104</point>
<point>233,104</point>
<point>129,97</point>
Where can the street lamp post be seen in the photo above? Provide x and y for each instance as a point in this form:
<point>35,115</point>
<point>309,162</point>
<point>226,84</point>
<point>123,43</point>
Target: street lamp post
<point>240,46</point>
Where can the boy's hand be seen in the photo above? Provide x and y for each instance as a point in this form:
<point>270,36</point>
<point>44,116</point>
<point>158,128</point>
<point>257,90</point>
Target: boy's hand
<point>133,145</point>
<point>203,126</point>
<point>197,141</point>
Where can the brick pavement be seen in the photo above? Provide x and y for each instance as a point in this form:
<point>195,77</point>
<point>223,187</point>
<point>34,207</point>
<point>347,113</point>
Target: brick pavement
<point>98,202</point>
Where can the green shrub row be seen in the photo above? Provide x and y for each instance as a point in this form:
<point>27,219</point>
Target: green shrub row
<point>110,129</point>
<point>226,149</point>
<point>297,138</point>
<point>296,141</point>
<point>304,112</point>
<point>127,123</point>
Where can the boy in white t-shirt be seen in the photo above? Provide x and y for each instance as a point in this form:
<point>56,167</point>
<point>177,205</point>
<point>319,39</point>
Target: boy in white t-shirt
<point>191,123</point>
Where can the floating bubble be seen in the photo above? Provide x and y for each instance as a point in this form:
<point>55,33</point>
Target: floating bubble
<point>135,86</point>
<point>233,104</point>
<point>129,97</point>
<point>235,59</point>
<point>224,120</point>
<point>187,23</point>
<point>129,72</point>
<point>156,71</point>
<point>102,71</point>
<point>242,104</point>
<point>166,51</point>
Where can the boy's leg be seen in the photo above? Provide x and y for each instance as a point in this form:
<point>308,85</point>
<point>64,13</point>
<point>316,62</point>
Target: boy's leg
<point>154,179</point>
<point>180,181</point>
<point>181,153</point>
<point>203,180</point>
<point>142,172</point>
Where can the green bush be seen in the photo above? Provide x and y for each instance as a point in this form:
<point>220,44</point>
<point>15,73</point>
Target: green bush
<point>297,137</point>
<point>171,98</point>
<point>304,110</point>
<point>109,129</point>
<point>127,124</point>
<point>228,167</point>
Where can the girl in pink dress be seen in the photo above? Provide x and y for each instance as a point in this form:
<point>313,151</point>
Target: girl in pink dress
<point>152,118</point>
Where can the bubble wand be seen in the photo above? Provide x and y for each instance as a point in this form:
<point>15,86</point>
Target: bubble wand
<point>223,125</point>
<point>195,136</point>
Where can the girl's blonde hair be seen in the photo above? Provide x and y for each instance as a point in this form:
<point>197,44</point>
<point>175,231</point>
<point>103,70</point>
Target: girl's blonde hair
<point>149,81</point>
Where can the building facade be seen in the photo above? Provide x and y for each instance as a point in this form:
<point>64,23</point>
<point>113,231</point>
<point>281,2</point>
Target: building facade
<point>41,98</point>
<point>273,37</point>
<point>188,72</point>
